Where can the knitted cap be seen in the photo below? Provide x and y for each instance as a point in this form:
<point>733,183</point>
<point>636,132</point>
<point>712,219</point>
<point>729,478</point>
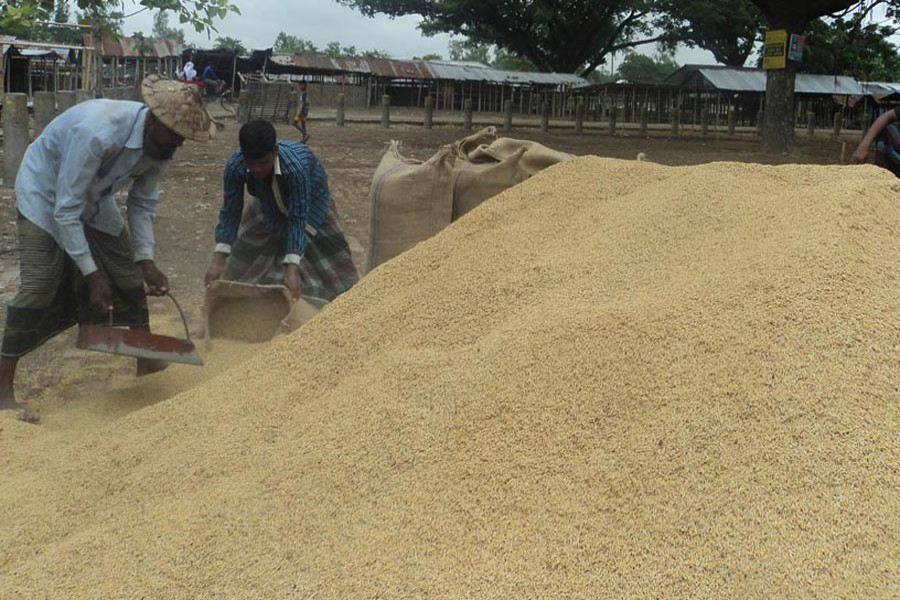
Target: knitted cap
<point>178,106</point>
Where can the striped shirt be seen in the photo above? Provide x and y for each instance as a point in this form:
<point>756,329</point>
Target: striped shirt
<point>303,189</point>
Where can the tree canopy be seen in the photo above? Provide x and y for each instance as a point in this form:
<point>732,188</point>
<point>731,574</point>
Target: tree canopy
<point>291,44</point>
<point>17,16</point>
<point>637,66</point>
<point>727,28</point>
<point>162,29</point>
<point>569,37</point>
<point>230,45</point>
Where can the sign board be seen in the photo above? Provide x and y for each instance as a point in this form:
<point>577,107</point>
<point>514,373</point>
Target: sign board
<point>775,49</point>
<point>795,48</point>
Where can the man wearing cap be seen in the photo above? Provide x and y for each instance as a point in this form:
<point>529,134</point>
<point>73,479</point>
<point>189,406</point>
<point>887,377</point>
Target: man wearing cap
<point>77,260</point>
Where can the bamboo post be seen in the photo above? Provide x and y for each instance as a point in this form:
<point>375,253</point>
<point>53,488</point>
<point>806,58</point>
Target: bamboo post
<point>64,101</point>
<point>613,116</point>
<point>15,135</point>
<point>386,111</point>
<point>429,112</point>
<point>579,116</point>
<point>731,121</point>
<point>838,123</point>
<point>645,119</point>
<point>507,115</point>
<point>244,106</point>
<point>340,110</point>
<point>811,123</point>
<point>467,111</point>
<point>545,116</point>
<point>44,110</point>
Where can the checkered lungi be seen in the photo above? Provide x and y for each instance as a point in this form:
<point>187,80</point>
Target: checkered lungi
<point>326,269</point>
<point>53,294</point>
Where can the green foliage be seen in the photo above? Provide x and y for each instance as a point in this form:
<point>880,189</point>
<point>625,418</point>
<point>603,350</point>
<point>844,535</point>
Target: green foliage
<point>492,56</point>
<point>727,28</point>
<point>470,51</point>
<point>568,37</point>
<point>842,47</point>
<point>17,16</point>
<point>375,54</point>
<point>429,57</point>
<point>637,66</point>
<point>162,29</point>
<point>230,45</point>
<point>291,44</point>
<point>142,44</point>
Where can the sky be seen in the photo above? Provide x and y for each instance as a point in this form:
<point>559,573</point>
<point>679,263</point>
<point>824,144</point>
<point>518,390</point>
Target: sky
<point>323,21</point>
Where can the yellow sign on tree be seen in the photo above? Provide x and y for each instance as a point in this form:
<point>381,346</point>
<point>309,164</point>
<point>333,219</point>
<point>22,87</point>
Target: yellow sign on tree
<point>775,49</point>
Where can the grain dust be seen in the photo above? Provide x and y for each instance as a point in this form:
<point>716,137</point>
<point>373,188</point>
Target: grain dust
<point>248,319</point>
<point>615,380</point>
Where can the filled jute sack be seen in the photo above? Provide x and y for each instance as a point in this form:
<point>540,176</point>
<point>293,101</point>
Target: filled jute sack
<point>410,201</point>
<point>253,313</point>
<point>487,165</point>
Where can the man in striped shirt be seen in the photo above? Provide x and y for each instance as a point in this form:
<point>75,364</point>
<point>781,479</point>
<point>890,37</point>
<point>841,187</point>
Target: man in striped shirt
<point>291,233</point>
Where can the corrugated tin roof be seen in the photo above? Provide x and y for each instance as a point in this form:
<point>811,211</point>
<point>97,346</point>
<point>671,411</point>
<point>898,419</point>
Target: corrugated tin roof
<point>126,47</point>
<point>880,89</point>
<point>419,69</point>
<point>736,79</point>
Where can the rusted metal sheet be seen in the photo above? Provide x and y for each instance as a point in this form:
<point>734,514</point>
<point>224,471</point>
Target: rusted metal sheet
<point>423,70</point>
<point>127,47</point>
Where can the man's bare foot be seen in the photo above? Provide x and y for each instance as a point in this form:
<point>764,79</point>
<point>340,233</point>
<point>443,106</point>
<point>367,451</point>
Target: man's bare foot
<point>22,413</point>
<point>146,366</point>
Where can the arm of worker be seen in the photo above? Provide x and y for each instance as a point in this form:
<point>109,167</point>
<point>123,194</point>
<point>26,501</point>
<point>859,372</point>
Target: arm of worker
<point>880,124</point>
<point>298,189</point>
<point>142,200</point>
<point>229,216</point>
<point>81,159</point>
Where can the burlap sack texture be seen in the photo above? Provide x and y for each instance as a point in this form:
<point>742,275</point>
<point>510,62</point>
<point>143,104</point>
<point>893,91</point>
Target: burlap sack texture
<point>179,107</point>
<point>412,200</point>
<point>293,314</point>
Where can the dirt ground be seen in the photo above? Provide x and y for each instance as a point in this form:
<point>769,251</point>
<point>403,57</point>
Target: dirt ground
<point>57,374</point>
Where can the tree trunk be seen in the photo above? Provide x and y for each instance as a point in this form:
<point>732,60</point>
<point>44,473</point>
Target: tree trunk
<point>778,124</point>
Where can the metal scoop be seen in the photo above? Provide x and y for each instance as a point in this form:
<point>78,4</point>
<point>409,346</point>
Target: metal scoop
<point>139,344</point>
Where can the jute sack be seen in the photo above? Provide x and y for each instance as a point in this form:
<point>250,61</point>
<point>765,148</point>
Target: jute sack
<point>465,147</point>
<point>473,183</point>
<point>243,311</point>
<point>535,157</point>
<point>493,167</point>
<point>410,201</point>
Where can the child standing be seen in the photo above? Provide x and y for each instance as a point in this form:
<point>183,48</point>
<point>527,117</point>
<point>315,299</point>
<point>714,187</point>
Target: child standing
<point>302,111</point>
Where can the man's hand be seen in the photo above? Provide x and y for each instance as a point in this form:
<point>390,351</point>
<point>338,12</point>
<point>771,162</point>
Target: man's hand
<point>292,280</point>
<point>216,268</point>
<point>861,154</point>
<point>156,280</point>
<point>99,292</point>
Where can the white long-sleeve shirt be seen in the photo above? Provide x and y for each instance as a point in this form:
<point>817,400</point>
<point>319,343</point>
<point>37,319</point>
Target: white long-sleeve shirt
<point>70,174</point>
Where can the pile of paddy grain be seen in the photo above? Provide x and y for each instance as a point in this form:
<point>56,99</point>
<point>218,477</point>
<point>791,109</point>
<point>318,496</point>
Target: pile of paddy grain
<point>616,380</point>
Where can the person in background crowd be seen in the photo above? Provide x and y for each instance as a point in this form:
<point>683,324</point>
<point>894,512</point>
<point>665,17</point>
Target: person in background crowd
<point>302,115</point>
